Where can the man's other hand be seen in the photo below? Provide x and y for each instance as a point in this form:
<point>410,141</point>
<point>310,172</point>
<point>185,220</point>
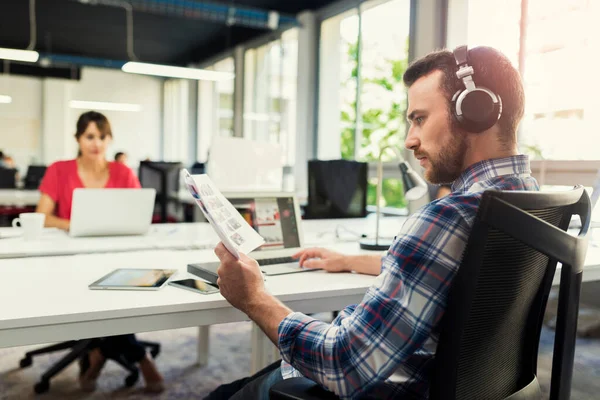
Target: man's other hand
<point>322,258</point>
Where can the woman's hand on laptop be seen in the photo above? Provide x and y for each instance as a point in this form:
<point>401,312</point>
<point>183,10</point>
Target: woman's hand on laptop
<point>318,257</point>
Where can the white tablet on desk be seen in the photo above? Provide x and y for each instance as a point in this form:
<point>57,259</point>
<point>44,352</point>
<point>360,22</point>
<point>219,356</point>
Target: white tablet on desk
<point>134,279</point>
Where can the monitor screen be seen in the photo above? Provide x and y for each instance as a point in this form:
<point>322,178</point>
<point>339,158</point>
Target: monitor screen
<point>274,218</point>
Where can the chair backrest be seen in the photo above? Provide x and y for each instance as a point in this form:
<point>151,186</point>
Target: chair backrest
<point>490,332</point>
<point>337,189</point>
<point>162,176</point>
<point>8,178</point>
<point>35,174</point>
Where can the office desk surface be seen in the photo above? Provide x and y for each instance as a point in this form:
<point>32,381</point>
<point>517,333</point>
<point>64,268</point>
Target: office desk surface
<point>47,299</point>
<point>181,236</point>
<point>55,242</point>
<point>16,197</point>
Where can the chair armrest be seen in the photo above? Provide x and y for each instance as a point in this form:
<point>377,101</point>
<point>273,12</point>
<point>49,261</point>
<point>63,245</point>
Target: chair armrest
<point>299,389</point>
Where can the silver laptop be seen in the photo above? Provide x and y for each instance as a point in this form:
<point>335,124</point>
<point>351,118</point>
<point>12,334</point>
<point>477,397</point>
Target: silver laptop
<point>111,212</point>
<point>276,217</point>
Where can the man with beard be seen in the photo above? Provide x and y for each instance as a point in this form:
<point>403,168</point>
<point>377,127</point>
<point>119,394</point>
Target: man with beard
<point>464,108</point>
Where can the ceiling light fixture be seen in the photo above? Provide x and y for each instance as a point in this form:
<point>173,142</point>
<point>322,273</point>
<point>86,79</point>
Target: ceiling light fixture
<point>29,55</point>
<point>104,105</point>
<point>19,55</point>
<point>5,99</point>
<point>175,72</point>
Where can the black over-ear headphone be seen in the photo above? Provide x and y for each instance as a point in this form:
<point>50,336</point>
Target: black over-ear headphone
<point>476,108</point>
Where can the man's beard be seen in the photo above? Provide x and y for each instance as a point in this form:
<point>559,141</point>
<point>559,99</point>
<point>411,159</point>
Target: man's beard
<point>447,165</point>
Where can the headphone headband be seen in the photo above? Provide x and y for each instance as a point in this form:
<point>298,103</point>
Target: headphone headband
<point>460,55</point>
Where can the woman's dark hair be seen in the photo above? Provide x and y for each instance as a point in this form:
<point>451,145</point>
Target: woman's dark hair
<point>93,116</point>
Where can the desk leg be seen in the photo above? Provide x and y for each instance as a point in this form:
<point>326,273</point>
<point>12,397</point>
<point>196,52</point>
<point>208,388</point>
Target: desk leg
<point>203,336</point>
<point>264,352</point>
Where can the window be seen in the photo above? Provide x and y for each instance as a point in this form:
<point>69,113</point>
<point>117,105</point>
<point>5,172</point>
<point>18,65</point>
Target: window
<point>362,100</point>
<point>215,108</point>
<point>270,91</point>
<point>556,62</point>
<point>338,81</point>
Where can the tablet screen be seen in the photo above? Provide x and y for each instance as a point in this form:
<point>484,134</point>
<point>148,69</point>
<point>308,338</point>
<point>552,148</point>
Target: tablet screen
<point>134,278</point>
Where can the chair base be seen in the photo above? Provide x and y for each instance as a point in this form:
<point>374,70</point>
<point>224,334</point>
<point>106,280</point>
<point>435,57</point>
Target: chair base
<point>79,350</point>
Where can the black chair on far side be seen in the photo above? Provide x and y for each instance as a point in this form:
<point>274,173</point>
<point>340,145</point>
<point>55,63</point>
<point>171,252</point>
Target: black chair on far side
<point>8,178</point>
<point>164,178</point>
<point>34,176</point>
<point>79,350</point>
<point>489,335</point>
<point>336,189</point>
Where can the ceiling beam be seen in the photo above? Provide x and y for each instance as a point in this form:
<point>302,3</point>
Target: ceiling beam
<point>226,14</point>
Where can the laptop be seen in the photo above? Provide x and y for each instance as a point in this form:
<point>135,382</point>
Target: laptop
<point>276,217</point>
<point>111,212</point>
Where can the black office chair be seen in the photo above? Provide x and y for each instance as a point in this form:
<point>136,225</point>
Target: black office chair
<point>34,176</point>
<point>79,350</point>
<point>198,168</point>
<point>490,332</point>
<point>162,176</point>
<point>8,178</point>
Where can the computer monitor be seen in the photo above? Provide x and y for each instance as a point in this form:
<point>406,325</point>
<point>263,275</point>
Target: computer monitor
<point>275,216</point>
<point>163,177</point>
<point>336,189</point>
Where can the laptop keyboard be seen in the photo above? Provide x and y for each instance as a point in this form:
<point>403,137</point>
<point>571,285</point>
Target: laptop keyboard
<point>279,260</point>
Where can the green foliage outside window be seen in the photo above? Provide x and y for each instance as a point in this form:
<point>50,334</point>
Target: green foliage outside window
<point>380,126</point>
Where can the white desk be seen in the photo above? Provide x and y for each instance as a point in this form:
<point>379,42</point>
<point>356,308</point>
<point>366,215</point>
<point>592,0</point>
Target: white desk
<point>51,301</point>
<point>181,236</point>
<point>20,198</point>
<point>55,242</point>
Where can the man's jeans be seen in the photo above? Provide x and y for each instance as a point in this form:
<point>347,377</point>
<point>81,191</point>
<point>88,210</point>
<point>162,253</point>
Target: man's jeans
<point>255,387</point>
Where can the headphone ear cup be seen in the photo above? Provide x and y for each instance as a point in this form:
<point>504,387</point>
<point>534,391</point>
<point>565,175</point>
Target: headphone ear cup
<point>480,109</point>
<point>456,112</point>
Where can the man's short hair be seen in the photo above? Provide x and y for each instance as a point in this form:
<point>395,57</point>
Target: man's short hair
<point>492,69</point>
<point>118,154</point>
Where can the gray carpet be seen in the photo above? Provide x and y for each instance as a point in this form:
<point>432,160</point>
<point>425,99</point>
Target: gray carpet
<point>229,360</point>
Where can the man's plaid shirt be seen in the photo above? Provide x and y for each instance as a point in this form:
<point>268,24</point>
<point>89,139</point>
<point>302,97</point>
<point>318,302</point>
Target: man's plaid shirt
<point>383,347</point>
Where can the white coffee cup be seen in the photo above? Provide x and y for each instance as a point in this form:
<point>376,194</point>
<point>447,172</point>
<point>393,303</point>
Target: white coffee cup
<point>31,223</point>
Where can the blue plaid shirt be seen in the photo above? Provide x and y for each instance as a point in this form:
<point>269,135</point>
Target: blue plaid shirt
<point>383,347</point>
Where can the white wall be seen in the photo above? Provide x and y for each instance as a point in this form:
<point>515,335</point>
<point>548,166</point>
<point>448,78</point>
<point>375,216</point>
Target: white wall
<point>38,126</point>
<point>136,133</point>
<point>20,121</point>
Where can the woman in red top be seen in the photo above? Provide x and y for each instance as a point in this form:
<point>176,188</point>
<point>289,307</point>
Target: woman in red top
<point>91,170</point>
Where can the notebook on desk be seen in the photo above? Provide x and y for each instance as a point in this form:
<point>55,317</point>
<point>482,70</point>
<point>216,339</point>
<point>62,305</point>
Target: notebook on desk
<point>276,217</point>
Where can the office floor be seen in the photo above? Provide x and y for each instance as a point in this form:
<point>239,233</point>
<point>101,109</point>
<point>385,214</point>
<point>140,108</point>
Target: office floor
<point>229,360</point>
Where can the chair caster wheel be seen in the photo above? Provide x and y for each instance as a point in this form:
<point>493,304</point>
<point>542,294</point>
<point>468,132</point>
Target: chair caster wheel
<point>41,387</point>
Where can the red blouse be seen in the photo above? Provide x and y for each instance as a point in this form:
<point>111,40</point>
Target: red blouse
<point>61,179</point>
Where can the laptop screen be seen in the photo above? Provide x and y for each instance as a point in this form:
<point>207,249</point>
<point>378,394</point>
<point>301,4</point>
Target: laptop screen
<point>274,218</point>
